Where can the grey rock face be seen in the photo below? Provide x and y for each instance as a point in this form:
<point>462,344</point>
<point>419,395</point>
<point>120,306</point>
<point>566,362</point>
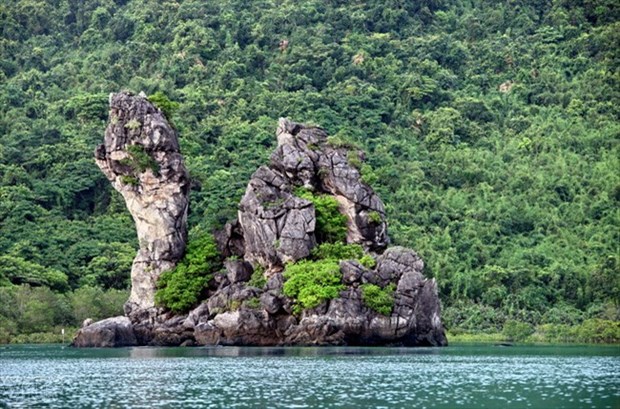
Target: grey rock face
<point>238,270</point>
<point>140,157</point>
<point>277,226</point>
<point>306,158</point>
<point>111,332</point>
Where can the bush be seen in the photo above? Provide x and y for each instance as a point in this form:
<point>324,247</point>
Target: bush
<point>517,330</point>
<point>598,331</point>
<point>258,279</point>
<point>50,337</point>
<point>19,271</point>
<point>467,316</point>
<point>253,303</point>
<point>164,104</point>
<point>562,314</point>
<point>95,303</point>
<point>140,160</point>
<point>340,251</point>
<point>311,282</point>
<point>331,225</point>
<point>181,288</point>
<point>590,331</point>
<point>379,299</point>
<point>337,251</point>
<point>367,261</point>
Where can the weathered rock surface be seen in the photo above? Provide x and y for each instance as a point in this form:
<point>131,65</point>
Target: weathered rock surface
<point>140,157</point>
<point>111,332</point>
<point>305,158</point>
<point>275,227</point>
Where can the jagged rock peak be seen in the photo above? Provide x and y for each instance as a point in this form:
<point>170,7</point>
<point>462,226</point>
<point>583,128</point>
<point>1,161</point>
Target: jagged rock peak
<point>140,157</point>
<point>279,227</point>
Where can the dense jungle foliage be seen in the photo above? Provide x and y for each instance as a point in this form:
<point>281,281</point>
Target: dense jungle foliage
<point>491,131</point>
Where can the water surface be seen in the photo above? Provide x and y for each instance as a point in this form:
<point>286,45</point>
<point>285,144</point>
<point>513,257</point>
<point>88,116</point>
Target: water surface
<point>461,376</point>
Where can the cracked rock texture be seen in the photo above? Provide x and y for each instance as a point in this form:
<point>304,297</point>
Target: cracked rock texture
<point>304,157</point>
<point>140,157</point>
<point>274,227</point>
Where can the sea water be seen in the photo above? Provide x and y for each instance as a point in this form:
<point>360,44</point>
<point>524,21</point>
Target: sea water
<point>460,376</point>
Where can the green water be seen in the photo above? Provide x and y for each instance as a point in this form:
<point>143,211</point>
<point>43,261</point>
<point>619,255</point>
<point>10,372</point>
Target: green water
<point>462,376</point>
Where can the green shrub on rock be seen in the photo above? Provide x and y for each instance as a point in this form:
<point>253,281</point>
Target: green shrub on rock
<point>337,251</point>
<point>517,330</point>
<point>311,282</point>
<point>161,101</point>
<point>180,288</point>
<point>379,299</point>
<point>331,224</point>
<point>258,279</point>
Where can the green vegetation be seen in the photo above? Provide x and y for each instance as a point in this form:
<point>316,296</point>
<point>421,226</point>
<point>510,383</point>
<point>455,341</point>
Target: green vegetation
<point>312,282</point>
<point>165,105</point>
<point>253,303</point>
<point>133,125</point>
<point>331,224</point>
<point>130,180</point>
<point>374,217</point>
<point>340,251</point>
<point>258,279</point>
<point>517,330</point>
<point>37,314</point>
<point>16,270</point>
<point>592,331</point>
<point>490,128</point>
<point>183,287</point>
<point>337,251</point>
<point>141,160</point>
<point>379,299</point>
<point>367,261</point>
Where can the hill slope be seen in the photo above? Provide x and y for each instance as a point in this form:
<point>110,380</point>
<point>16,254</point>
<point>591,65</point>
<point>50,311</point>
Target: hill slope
<point>491,131</point>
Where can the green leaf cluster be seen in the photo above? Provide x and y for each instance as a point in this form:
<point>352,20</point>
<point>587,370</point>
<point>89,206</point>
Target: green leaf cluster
<point>181,288</point>
<point>36,314</point>
<point>331,224</point>
<point>15,270</point>
<point>339,251</point>
<point>140,160</point>
<point>257,279</point>
<point>161,101</point>
<point>379,299</point>
<point>311,282</point>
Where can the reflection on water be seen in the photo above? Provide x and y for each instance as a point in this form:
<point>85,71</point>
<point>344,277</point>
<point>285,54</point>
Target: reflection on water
<point>218,351</point>
<point>241,377</point>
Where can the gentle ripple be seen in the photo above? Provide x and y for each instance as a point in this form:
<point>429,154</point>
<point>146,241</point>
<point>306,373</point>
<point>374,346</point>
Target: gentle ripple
<point>230,377</point>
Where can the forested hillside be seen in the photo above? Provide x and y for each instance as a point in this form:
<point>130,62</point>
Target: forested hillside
<point>491,130</point>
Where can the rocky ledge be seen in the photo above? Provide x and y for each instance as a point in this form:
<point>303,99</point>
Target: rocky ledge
<point>377,297</point>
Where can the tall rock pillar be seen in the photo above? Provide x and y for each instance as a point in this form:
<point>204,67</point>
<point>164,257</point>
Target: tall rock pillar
<point>140,157</point>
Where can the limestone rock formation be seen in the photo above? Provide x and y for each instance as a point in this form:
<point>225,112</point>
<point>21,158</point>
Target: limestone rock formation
<point>275,226</point>
<point>279,227</point>
<point>140,157</point>
<point>304,157</point>
<point>111,332</point>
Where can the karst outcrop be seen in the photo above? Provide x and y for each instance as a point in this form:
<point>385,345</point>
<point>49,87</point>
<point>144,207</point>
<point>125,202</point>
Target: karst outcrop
<point>279,225</point>
<point>140,156</point>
